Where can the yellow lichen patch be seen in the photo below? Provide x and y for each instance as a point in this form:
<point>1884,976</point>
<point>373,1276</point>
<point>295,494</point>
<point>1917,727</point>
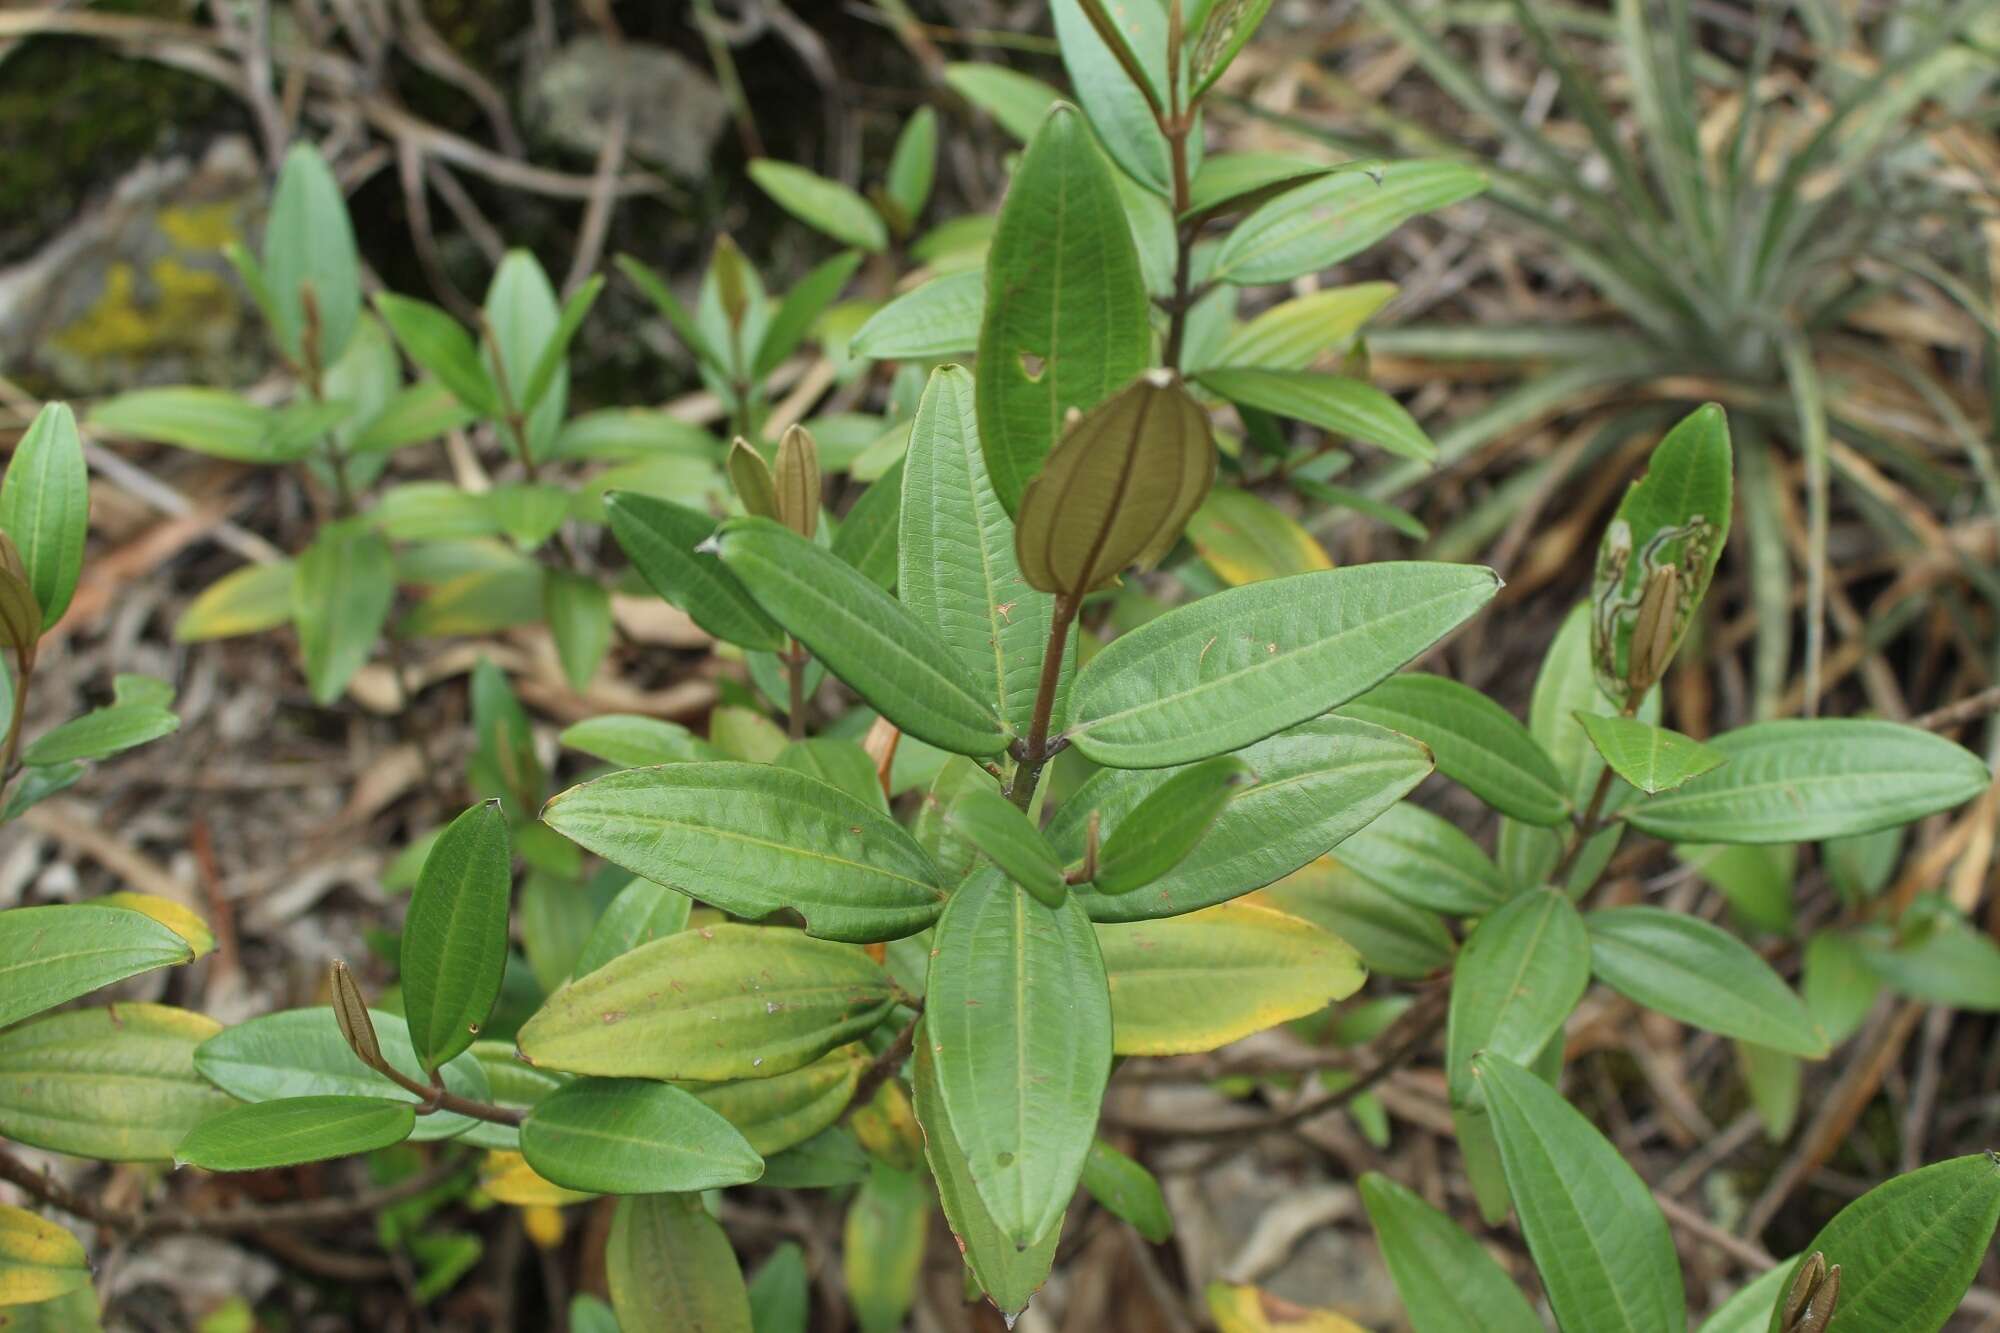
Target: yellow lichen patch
<point>201,227</point>
<point>183,306</point>
<point>1248,1310</point>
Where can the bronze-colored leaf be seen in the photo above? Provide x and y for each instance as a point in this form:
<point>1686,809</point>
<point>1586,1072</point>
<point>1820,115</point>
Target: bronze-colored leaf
<point>1117,489</point>
<point>798,481</point>
<point>751,476</point>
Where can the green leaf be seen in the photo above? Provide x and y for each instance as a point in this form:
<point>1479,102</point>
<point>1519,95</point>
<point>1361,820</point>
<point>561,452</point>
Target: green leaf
<point>37,784</point>
<point>1798,780</point>
<point>1478,743</point>
<point>777,1113</point>
<point>1774,1081</point>
<point>294,1130</point>
<point>521,317</point>
<point>913,164</point>
<point>300,1053</point>
<point>1599,1241</point>
<point>1120,109</point>
<point>863,635</point>
<point>1448,1282</point>
<point>1701,974</point>
<point>342,589</point>
<point>1294,334</point>
<point>822,204</point>
<point>1393,938</point>
<point>117,1084</point>
<point>1749,1310</point>
<point>801,307</point>
<point>1199,981</point>
<point>956,568</point>
<point>671,1269</point>
<point>39,1262</point>
<point>1232,182</point>
<point>424,411</point>
<point>1228,25</point>
<point>828,1160</point>
<point>1424,860</point>
<point>1317,783</point>
<point>1019,1022</point>
<point>1232,668</point>
<point>1320,224</point>
<point>100,733</point>
<point>1653,759</point>
<point>45,507</point>
<point>1066,318</point>
<point>869,537</point>
<point>1017,102</point>
<point>1244,538</point>
<point>981,816</point>
<point>309,244</point>
<point>1838,985</point>
<point>641,913</point>
<point>882,1247</point>
<point>550,361</point>
<point>578,611</point>
<point>52,954</point>
<point>683,322</point>
<point>214,422</point>
<point>1521,972</point>
<point>837,763</point>
<point>941,317</point>
<point>439,344</point>
<point>1127,1190</point>
<point>1346,407</point>
<point>1943,960</point>
<point>631,1136</point>
<point>1009,1276</point>
<point>724,1001</point>
<point>248,601</point>
<point>455,936</point>
<point>1160,832</point>
<point>1909,1249</point>
<point>629,740</point>
<point>780,1293</point>
<point>752,839</point>
<point>505,764</point>
<point>659,537</point>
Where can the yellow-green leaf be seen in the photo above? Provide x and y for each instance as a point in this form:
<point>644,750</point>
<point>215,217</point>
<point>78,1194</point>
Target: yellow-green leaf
<point>39,1261</point>
<point>1244,538</point>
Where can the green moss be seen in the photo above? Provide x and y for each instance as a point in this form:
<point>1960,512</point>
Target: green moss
<point>179,306</point>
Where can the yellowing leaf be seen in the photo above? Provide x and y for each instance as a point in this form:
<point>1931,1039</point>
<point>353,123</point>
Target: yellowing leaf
<point>184,921</point>
<point>39,1261</point>
<point>507,1177</point>
<point>1248,1310</point>
<point>1244,539</point>
<point>1201,980</point>
<point>248,601</point>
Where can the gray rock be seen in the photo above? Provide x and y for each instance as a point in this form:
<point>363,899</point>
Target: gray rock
<point>677,110</point>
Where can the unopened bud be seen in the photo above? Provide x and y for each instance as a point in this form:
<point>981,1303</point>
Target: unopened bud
<point>798,481</point>
<point>751,476</point>
<point>1810,1303</point>
<point>20,613</point>
<point>732,281</point>
<point>1652,644</point>
<point>350,1011</point>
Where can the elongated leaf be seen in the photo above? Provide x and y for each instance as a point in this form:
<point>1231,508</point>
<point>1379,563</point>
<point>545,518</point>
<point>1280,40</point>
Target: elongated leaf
<point>207,421</point>
<point>1065,320</point>
<point>1009,1276</point>
<point>1232,182</point>
<point>294,1130</point>
<point>1517,979</point>
<point>659,537</point>
<point>300,1053</point>
<point>1671,524</point>
<point>641,913</point>
<point>52,954</point>
<point>100,733</point>
<point>1478,743</point>
<point>671,1269</point>
<point>629,740</point>
<point>783,1111</point>
<point>981,816</point>
<point>1908,1249</point>
<point>521,318</point>
<point>822,204</point>
<point>1202,980</point>
<point>116,1084</point>
<point>956,570</point>
<point>342,588</point>
<point>1392,937</point>
<point>551,360</point>
<point>1425,861</point>
<point>1317,783</point>
<point>310,261</point>
<point>1235,667</point>
<point>1653,759</point>
<point>632,1136</point>
<point>422,412</point>
<point>1127,1190</point>
<point>1793,781</point>
<point>863,635</point>
<point>1120,97</point>
<point>1168,824</point>
<point>578,611</point>
<point>1837,984</point>
<point>1774,1081</point>
<point>1294,334</point>
<point>1598,1239</point>
<point>869,536</point>
<point>455,937</point>
<point>780,1293</point>
<point>719,1002</point>
<point>1943,960</point>
<point>1346,407</point>
<point>752,839</point>
<point>39,1261</point>
<point>45,507</point>
<point>1227,27</point>
<point>1448,1282</point>
<point>913,164</point>
<point>1320,224</point>
<point>439,344</point>
<point>1701,974</point>
<point>1749,1310</point>
<point>940,318</point>
<point>248,601</point>
<point>1245,538</point>
<point>1019,103</point>
<point>882,1246</point>
<point>1019,1022</point>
